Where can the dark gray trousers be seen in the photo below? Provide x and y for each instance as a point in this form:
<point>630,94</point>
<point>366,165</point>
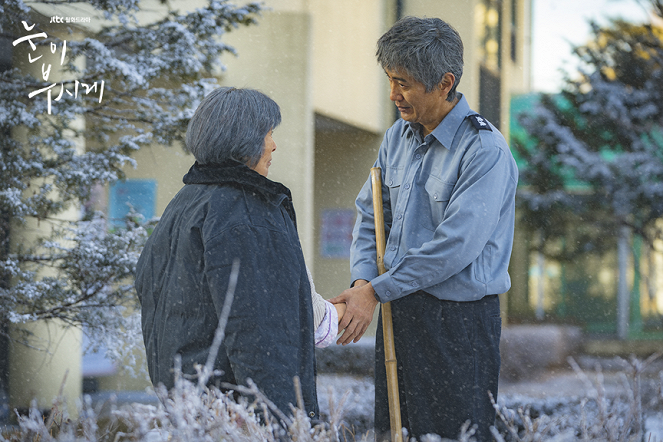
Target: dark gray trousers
<point>448,360</point>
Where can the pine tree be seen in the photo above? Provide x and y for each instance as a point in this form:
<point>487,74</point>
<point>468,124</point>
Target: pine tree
<point>154,75</point>
<point>594,152</point>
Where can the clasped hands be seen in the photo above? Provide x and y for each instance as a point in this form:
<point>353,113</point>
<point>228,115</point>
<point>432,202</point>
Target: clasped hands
<point>360,304</point>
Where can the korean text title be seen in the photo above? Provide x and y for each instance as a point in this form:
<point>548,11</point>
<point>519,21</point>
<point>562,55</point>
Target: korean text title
<point>46,70</point>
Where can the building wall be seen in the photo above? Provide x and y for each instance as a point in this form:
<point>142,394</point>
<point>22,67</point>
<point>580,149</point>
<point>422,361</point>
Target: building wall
<point>51,368</point>
<point>166,166</point>
<point>520,78</point>
<point>349,84</point>
<point>275,57</point>
<point>351,101</point>
<point>343,158</point>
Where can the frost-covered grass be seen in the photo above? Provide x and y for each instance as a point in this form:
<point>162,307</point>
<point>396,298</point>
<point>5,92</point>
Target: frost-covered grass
<point>350,399</point>
<point>631,413</point>
<point>192,413</point>
<point>187,413</point>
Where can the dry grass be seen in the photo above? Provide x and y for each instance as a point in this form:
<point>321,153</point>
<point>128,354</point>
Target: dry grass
<point>189,413</point>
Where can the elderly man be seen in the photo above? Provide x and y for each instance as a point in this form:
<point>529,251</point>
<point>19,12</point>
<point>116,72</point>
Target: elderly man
<point>449,183</point>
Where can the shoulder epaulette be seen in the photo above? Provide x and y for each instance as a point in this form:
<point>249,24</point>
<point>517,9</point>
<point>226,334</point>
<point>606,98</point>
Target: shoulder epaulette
<point>479,122</point>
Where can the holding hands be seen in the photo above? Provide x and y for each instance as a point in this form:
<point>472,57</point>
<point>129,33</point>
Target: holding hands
<point>359,304</point>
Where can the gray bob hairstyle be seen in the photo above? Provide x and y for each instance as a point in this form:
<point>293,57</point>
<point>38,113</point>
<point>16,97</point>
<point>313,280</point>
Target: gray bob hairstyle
<point>423,48</point>
<point>232,123</point>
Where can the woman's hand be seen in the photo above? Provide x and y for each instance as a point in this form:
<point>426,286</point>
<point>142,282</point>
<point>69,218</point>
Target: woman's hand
<point>340,309</point>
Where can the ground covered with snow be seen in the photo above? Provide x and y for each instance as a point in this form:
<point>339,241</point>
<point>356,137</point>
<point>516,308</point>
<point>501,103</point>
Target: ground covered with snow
<point>563,403</point>
<point>610,402</point>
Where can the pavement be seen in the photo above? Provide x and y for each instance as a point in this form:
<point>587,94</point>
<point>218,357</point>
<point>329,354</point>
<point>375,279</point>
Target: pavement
<point>353,394</point>
<point>614,375</point>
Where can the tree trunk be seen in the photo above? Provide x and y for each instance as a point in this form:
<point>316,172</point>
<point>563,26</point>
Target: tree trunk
<point>540,286</point>
<point>622,284</point>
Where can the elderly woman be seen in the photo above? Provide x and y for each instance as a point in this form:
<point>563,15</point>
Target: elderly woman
<point>227,210</point>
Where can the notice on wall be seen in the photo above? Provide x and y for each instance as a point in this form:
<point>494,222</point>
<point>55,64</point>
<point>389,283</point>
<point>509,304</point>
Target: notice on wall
<point>336,233</point>
<point>137,194</point>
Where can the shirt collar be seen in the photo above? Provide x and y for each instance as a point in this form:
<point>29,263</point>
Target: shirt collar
<point>446,130</point>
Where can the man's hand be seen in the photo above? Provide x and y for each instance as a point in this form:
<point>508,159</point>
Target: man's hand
<point>361,302</point>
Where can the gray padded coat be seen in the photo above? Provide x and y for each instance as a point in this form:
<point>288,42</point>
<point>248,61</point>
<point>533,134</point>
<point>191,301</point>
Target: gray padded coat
<point>225,212</point>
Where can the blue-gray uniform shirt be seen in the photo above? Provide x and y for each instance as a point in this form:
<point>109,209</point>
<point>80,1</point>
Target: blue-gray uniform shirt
<point>449,209</point>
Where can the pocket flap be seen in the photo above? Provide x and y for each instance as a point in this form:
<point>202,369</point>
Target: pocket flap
<point>393,176</point>
<point>438,190</point>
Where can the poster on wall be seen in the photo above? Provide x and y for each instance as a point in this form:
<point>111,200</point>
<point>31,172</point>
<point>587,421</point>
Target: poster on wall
<point>137,194</point>
<point>336,233</point>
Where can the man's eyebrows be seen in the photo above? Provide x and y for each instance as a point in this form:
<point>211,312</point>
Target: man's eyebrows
<point>396,78</point>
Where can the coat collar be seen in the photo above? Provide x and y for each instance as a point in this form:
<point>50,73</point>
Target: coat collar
<point>233,173</point>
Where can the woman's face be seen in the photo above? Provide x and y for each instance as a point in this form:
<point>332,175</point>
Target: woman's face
<point>266,160</point>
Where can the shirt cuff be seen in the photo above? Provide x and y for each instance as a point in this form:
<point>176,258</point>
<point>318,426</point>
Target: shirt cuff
<point>363,272</point>
<point>385,288</point>
<point>328,328</point>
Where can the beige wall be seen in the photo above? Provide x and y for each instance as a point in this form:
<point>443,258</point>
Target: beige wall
<point>299,6</point>
<point>343,158</point>
<point>51,367</point>
<point>39,371</point>
<point>51,364</point>
<point>166,165</point>
<point>507,69</point>
<point>274,57</point>
<point>349,85</point>
<point>516,75</point>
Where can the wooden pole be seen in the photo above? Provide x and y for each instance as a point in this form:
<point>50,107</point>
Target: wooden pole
<point>387,324</point>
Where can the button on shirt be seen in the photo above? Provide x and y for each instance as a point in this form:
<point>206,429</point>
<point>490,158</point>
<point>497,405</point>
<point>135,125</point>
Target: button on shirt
<point>449,210</point>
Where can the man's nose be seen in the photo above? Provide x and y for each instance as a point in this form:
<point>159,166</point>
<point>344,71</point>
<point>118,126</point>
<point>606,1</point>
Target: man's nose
<point>395,93</point>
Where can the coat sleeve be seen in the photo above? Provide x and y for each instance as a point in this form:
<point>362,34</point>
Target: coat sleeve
<point>319,307</point>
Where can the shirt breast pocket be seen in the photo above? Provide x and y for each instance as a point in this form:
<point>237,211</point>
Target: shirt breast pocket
<point>393,177</point>
<point>439,194</point>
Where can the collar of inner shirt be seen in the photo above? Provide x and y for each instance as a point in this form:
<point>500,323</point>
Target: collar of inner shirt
<point>416,129</point>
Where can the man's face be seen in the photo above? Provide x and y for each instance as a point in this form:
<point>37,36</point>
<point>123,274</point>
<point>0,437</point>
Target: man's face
<point>414,103</point>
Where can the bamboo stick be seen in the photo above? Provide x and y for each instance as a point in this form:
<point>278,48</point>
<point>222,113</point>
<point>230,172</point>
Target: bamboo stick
<point>387,324</point>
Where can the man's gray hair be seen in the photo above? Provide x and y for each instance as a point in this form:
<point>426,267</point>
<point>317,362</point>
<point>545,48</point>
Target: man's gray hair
<point>232,123</point>
<point>424,49</point>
